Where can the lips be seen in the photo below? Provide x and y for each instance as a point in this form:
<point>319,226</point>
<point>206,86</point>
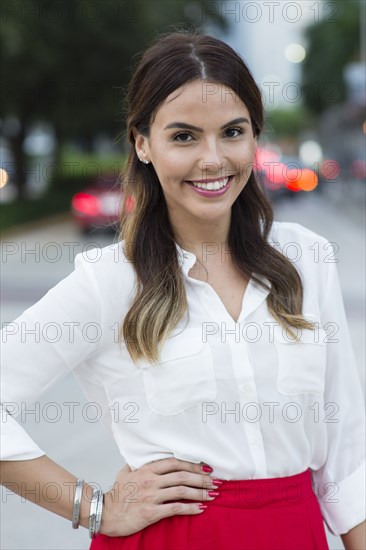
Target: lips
<point>211,189</point>
<point>210,184</point>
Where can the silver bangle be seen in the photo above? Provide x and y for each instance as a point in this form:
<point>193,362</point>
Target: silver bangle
<point>98,519</point>
<point>93,510</point>
<point>96,508</point>
<point>77,502</point>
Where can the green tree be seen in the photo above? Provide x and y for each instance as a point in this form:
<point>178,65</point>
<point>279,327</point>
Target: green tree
<point>332,43</point>
<point>69,62</point>
<point>287,122</point>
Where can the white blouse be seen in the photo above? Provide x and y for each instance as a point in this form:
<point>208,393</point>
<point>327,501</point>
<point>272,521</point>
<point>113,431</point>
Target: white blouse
<point>239,396</point>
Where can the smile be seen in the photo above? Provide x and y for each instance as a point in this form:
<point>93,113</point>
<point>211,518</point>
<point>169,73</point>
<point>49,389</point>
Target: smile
<point>211,187</point>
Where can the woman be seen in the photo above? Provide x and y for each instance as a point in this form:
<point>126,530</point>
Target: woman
<point>223,360</point>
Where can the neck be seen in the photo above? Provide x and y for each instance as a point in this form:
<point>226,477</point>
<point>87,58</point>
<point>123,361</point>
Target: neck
<point>208,241</point>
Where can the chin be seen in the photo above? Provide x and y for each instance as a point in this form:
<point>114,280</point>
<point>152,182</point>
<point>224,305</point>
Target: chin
<point>211,215</point>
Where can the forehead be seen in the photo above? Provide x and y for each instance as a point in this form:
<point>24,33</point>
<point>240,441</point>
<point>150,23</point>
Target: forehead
<point>201,100</point>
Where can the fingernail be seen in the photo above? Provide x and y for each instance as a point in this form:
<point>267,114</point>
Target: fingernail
<point>213,493</point>
<point>217,482</point>
<point>206,468</point>
<point>202,506</point>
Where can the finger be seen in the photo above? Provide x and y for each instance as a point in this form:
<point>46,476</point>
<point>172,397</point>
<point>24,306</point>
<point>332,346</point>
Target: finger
<point>167,465</point>
<point>185,478</point>
<point>182,493</point>
<point>177,509</point>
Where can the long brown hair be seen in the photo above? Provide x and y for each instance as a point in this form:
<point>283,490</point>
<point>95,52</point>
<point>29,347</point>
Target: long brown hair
<point>160,301</point>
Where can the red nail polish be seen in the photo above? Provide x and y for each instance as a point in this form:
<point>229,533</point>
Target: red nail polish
<point>206,468</point>
<point>217,482</point>
<point>202,506</point>
<point>213,493</point>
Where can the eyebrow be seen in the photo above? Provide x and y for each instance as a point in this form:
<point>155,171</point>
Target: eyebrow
<point>186,126</point>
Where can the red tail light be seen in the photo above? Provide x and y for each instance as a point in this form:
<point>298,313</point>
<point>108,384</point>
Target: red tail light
<point>86,204</point>
<point>301,180</point>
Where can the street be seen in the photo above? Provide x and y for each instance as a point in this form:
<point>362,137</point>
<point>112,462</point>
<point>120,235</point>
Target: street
<point>34,261</point>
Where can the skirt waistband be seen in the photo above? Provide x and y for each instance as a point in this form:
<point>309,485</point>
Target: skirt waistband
<point>267,492</point>
<point>231,521</point>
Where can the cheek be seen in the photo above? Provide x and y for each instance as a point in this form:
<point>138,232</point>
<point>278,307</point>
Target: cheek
<point>250,148</point>
<point>171,166</point>
<point>248,156</point>
<point>244,162</point>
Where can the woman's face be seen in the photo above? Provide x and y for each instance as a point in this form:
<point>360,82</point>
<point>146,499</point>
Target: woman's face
<point>202,147</point>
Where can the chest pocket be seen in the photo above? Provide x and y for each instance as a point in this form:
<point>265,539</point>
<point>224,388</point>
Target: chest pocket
<point>184,377</point>
<point>301,365</point>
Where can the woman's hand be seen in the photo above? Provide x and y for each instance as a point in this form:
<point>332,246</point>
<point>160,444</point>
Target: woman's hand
<point>141,497</point>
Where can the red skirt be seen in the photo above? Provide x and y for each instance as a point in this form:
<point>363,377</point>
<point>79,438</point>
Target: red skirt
<point>255,514</point>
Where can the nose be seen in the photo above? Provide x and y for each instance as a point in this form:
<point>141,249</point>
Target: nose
<point>211,158</point>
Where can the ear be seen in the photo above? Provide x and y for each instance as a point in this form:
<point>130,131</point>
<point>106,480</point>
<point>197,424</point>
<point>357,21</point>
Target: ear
<point>141,145</point>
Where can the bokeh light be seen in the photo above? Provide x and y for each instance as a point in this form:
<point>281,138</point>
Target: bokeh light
<point>330,169</point>
<point>358,169</point>
<point>301,179</point>
<point>295,53</point>
<point>4,177</point>
<point>310,152</point>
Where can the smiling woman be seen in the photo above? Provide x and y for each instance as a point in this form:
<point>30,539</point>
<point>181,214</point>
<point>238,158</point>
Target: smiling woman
<point>195,114</point>
<point>215,161</point>
<point>223,353</point>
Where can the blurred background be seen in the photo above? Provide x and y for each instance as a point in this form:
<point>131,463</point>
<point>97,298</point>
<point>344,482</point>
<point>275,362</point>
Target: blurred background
<point>65,67</point>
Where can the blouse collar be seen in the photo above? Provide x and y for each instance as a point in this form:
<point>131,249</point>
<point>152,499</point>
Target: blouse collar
<point>188,259</point>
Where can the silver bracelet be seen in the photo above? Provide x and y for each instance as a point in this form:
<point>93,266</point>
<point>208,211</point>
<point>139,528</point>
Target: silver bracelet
<point>77,502</point>
<point>98,519</point>
<point>93,509</point>
<point>95,516</point>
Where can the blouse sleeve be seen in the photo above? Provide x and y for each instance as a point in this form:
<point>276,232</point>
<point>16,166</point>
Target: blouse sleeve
<point>341,479</point>
<point>41,347</point>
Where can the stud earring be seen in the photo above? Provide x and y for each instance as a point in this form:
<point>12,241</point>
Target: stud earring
<point>145,161</point>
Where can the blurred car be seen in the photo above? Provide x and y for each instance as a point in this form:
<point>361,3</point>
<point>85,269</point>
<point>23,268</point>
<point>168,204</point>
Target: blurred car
<point>284,175</point>
<point>98,206</point>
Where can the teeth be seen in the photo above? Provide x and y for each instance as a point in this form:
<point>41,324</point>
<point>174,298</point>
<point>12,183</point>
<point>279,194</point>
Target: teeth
<point>212,185</point>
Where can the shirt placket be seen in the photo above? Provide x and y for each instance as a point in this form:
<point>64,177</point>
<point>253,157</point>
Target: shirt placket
<point>242,362</point>
<point>249,404</point>
<point>244,371</point>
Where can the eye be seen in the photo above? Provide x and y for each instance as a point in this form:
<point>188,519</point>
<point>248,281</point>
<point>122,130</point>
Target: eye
<point>183,137</point>
<point>238,131</point>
